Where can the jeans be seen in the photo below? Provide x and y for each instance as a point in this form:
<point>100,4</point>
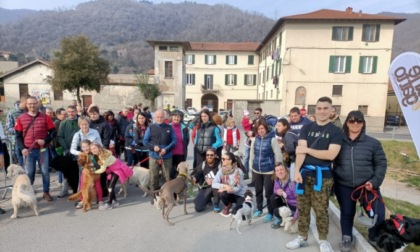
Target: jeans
<point>348,209</point>
<point>154,169</point>
<point>19,155</point>
<point>246,158</point>
<point>30,166</point>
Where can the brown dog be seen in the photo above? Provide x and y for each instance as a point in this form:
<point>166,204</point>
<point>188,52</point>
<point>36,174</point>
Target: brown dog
<point>87,190</point>
<point>175,186</point>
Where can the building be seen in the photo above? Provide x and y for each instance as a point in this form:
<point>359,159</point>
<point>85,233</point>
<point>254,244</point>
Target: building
<point>31,78</point>
<point>341,54</point>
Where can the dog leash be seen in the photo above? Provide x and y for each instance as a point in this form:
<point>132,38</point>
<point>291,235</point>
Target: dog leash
<point>364,193</point>
<point>41,158</point>
<point>139,163</point>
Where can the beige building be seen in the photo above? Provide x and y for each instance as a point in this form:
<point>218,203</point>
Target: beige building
<point>341,54</point>
<point>121,91</point>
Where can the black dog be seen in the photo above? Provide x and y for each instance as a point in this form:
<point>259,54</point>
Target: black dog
<point>394,232</point>
<point>70,169</point>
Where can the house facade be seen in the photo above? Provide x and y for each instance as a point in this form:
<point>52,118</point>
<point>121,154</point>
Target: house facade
<point>341,54</point>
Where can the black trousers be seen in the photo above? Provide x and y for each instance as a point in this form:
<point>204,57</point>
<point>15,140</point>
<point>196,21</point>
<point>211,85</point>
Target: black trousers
<point>204,196</point>
<point>263,182</point>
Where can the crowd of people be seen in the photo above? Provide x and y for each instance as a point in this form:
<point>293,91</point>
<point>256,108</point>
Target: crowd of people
<point>295,163</point>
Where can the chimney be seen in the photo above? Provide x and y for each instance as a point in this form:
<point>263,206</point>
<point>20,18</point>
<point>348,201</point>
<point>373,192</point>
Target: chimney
<point>349,10</point>
<point>360,13</point>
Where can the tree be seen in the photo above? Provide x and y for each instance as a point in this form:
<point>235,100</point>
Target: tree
<point>78,66</point>
<point>149,91</point>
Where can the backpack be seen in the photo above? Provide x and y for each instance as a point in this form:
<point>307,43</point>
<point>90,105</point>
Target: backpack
<point>271,120</point>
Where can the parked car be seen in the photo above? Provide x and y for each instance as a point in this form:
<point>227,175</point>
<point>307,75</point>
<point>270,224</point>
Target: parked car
<point>394,120</point>
<point>187,116</point>
<point>192,110</point>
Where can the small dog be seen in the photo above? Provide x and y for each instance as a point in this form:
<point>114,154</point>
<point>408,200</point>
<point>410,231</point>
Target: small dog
<point>87,189</point>
<point>286,216</point>
<point>141,176</point>
<point>244,212</point>
<point>175,186</point>
<point>23,194</point>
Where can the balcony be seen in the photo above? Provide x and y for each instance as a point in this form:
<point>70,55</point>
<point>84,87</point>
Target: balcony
<point>210,88</point>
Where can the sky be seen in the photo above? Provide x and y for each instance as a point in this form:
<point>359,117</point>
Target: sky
<point>270,8</point>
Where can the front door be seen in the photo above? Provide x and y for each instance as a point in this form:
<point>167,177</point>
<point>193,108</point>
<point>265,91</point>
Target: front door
<point>87,100</point>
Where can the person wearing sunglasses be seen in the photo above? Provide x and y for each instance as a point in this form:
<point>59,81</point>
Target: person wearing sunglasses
<point>361,161</point>
<point>229,183</point>
<point>203,178</point>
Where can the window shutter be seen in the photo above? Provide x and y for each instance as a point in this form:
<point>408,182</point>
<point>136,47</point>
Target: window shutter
<point>374,64</point>
<point>364,33</point>
<point>236,59</point>
<point>378,28</point>
<point>350,33</point>
<point>332,59</point>
<point>254,79</point>
<point>245,79</point>
<point>334,33</point>
<point>193,59</point>
<point>206,59</point>
<point>227,59</point>
<point>234,79</point>
<point>226,79</point>
<point>348,64</point>
<point>214,56</point>
<point>361,63</point>
<point>193,77</point>
<point>279,67</point>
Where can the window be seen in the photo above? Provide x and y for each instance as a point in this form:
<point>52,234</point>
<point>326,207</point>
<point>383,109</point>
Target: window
<point>340,64</point>
<point>337,90</point>
<point>190,59</point>
<point>363,109</point>
<point>58,95</point>
<point>173,48</point>
<point>230,79</point>
<point>168,69</point>
<point>163,48</point>
<point>208,81</point>
<point>268,73</point>
<point>23,89</point>
<point>342,33</point>
<point>190,80</point>
<point>250,79</point>
<point>371,33</point>
<point>272,70</point>
<point>250,59</point>
<point>210,59</point>
<point>311,109</point>
<point>368,64</point>
<point>231,59</point>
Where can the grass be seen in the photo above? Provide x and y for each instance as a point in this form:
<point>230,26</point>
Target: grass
<point>403,162</point>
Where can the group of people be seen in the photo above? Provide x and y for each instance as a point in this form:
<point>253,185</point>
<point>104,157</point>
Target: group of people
<point>294,164</point>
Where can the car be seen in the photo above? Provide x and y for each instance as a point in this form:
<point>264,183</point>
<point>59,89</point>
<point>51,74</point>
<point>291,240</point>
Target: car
<point>192,110</point>
<point>187,116</point>
<point>394,120</point>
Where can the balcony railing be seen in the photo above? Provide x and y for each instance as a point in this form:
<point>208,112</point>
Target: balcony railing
<point>210,88</point>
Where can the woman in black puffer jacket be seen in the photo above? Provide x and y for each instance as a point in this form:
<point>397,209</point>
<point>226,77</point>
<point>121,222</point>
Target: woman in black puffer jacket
<point>361,161</point>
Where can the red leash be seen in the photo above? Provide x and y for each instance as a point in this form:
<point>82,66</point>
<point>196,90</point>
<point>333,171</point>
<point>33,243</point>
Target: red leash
<point>29,152</point>
<point>139,163</point>
<point>364,193</point>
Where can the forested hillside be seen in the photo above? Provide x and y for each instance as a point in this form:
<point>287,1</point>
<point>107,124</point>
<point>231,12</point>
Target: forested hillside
<point>120,28</point>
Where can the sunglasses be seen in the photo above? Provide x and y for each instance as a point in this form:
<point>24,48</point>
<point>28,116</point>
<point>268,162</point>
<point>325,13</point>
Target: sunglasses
<point>355,121</point>
<point>223,159</point>
<point>210,155</point>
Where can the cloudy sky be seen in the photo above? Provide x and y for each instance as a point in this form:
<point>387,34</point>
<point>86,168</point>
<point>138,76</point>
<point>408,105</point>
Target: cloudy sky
<point>270,8</point>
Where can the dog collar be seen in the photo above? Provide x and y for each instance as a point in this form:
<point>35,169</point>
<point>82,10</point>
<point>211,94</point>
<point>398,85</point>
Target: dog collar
<point>183,175</point>
<point>21,172</point>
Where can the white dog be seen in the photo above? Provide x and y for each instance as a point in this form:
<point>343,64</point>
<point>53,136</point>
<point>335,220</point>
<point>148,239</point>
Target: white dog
<point>246,211</point>
<point>286,217</point>
<point>23,194</point>
<point>141,176</point>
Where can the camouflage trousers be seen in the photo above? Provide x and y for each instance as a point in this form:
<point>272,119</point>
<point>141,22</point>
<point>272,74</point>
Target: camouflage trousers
<point>319,202</point>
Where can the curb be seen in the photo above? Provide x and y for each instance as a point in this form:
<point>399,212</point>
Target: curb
<point>360,243</point>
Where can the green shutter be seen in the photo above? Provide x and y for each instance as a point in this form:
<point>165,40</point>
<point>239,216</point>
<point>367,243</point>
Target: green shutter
<point>193,59</point>
<point>214,59</point>
<point>374,64</point>
<point>244,79</point>
<point>236,59</point>
<point>193,78</point>
<point>234,79</point>
<point>334,32</point>
<point>226,79</point>
<point>361,63</point>
<point>279,70</point>
<point>350,33</point>
<point>254,81</point>
<point>206,59</point>
<point>331,68</point>
<point>227,59</point>
<point>348,64</point>
<point>378,29</point>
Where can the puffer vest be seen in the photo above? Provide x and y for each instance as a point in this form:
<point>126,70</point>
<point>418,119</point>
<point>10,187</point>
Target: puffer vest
<point>205,137</point>
<point>264,159</point>
<point>38,129</point>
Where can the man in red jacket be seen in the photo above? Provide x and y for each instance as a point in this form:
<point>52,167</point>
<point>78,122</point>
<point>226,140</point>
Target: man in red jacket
<point>34,132</point>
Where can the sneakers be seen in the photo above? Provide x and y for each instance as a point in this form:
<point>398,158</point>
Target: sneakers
<point>216,209</point>
<point>225,212</point>
<point>105,207</point>
<point>268,218</point>
<point>101,203</point>
<point>79,205</point>
<point>115,204</point>
<point>324,246</point>
<point>276,223</point>
<point>345,246</point>
<point>298,242</point>
<point>258,214</point>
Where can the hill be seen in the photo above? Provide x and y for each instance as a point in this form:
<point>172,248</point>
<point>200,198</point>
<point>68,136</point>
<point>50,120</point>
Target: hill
<point>8,16</point>
<point>120,28</point>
